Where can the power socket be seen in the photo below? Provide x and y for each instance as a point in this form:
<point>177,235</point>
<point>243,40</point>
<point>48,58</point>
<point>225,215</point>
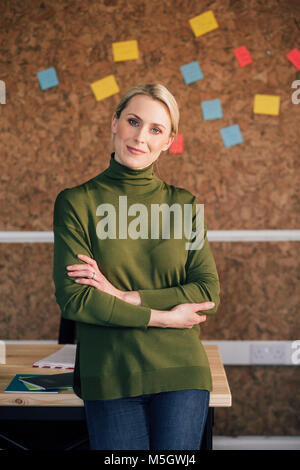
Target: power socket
<point>267,353</point>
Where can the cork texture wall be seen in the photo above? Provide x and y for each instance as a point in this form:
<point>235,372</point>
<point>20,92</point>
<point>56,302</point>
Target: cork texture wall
<point>60,137</point>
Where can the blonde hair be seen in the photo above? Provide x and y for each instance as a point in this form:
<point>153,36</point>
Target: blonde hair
<point>157,92</point>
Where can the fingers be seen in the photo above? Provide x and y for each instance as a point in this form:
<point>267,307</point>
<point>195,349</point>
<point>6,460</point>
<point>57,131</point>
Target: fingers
<point>203,306</point>
<point>86,273</point>
<point>75,267</point>
<point>91,264</point>
<point>196,321</point>
<point>202,318</point>
<point>90,282</point>
<point>87,259</point>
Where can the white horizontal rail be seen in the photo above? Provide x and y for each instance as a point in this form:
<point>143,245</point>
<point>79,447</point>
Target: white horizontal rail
<point>212,235</point>
<point>253,235</point>
<point>232,352</point>
<point>256,443</point>
<point>26,237</point>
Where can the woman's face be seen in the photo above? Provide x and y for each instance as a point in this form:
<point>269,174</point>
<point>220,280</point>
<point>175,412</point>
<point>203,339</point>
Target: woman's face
<point>141,132</point>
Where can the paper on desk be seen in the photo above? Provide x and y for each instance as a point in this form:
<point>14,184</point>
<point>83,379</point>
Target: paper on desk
<point>64,358</point>
<point>2,353</point>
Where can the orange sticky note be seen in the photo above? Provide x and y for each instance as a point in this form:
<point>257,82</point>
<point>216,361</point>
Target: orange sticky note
<point>294,57</point>
<point>125,50</point>
<point>177,144</point>
<point>243,56</point>
<point>105,87</point>
<point>204,23</point>
<point>266,104</point>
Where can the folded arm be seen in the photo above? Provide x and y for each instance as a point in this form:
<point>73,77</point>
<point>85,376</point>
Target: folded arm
<point>202,284</point>
<point>84,303</point>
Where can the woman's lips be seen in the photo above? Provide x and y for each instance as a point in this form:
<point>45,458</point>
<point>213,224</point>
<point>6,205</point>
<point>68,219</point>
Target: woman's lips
<point>135,151</point>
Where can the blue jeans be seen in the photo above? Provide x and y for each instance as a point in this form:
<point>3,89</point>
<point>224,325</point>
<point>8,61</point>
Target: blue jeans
<point>166,420</point>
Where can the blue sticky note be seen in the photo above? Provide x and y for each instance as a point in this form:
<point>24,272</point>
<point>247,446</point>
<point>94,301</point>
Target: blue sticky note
<point>48,78</point>
<point>231,135</point>
<point>191,72</point>
<point>211,109</point>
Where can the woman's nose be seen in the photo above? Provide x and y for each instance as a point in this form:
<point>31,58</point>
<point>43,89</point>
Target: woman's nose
<point>140,135</point>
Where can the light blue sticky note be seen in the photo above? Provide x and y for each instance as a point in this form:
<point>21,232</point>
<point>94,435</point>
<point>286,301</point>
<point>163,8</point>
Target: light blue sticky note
<point>48,78</point>
<point>231,135</point>
<point>191,72</point>
<point>211,109</point>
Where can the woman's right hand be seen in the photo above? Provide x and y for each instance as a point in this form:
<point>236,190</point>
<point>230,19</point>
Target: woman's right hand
<point>180,316</point>
<point>185,316</point>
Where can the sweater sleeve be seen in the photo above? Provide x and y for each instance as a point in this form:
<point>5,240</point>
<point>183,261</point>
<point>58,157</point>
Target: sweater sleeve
<point>79,302</point>
<point>201,282</point>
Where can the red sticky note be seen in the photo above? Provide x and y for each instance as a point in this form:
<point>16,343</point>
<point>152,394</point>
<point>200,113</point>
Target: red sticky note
<point>177,144</point>
<point>243,56</point>
<point>294,57</point>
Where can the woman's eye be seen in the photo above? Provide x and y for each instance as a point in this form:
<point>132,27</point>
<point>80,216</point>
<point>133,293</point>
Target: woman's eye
<point>156,130</point>
<point>133,122</point>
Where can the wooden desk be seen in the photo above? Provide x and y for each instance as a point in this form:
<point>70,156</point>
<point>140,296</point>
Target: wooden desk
<point>66,405</point>
<point>20,357</point>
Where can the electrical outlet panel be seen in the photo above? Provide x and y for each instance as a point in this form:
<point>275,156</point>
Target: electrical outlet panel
<point>267,353</point>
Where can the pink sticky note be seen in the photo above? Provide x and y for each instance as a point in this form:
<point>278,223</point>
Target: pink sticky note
<point>294,57</point>
<point>177,145</point>
<point>243,56</point>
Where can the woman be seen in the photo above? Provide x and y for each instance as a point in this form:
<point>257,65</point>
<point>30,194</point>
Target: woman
<point>135,293</point>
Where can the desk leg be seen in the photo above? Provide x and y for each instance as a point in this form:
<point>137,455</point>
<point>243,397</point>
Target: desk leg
<point>11,443</point>
<point>207,437</point>
<point>8,444</point>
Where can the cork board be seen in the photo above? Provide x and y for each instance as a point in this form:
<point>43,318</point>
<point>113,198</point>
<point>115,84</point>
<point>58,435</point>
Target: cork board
<point>61,136</point>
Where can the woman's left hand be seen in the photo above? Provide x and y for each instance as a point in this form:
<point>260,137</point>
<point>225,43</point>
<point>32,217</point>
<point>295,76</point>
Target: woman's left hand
<point>91,275</point>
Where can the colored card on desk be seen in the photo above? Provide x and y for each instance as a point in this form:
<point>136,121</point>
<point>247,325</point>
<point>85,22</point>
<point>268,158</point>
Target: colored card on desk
<point>18,386</point>
<point>47,78</point>
<point>177,144</point>
<point>266,104</point>
<point>105,87</point>
<point>294,57</point>
<point>204,23</point>
<point>125,50</point>
<point>231,135</point>
<point>211,109</point>
<point>50,381</point>
<point>191,72</point>
<point>243,56</point>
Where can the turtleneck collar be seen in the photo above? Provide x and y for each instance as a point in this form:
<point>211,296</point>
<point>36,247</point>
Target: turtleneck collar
<point>128,175</point>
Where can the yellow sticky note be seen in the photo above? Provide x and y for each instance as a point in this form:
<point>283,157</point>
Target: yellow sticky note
<point>125,50</point>
<point>105,87</point>
<point>266,104</point>
<point>203,23</point>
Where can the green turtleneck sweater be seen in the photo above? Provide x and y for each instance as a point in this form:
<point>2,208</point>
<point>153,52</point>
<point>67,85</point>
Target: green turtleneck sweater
<point>118,354</point>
